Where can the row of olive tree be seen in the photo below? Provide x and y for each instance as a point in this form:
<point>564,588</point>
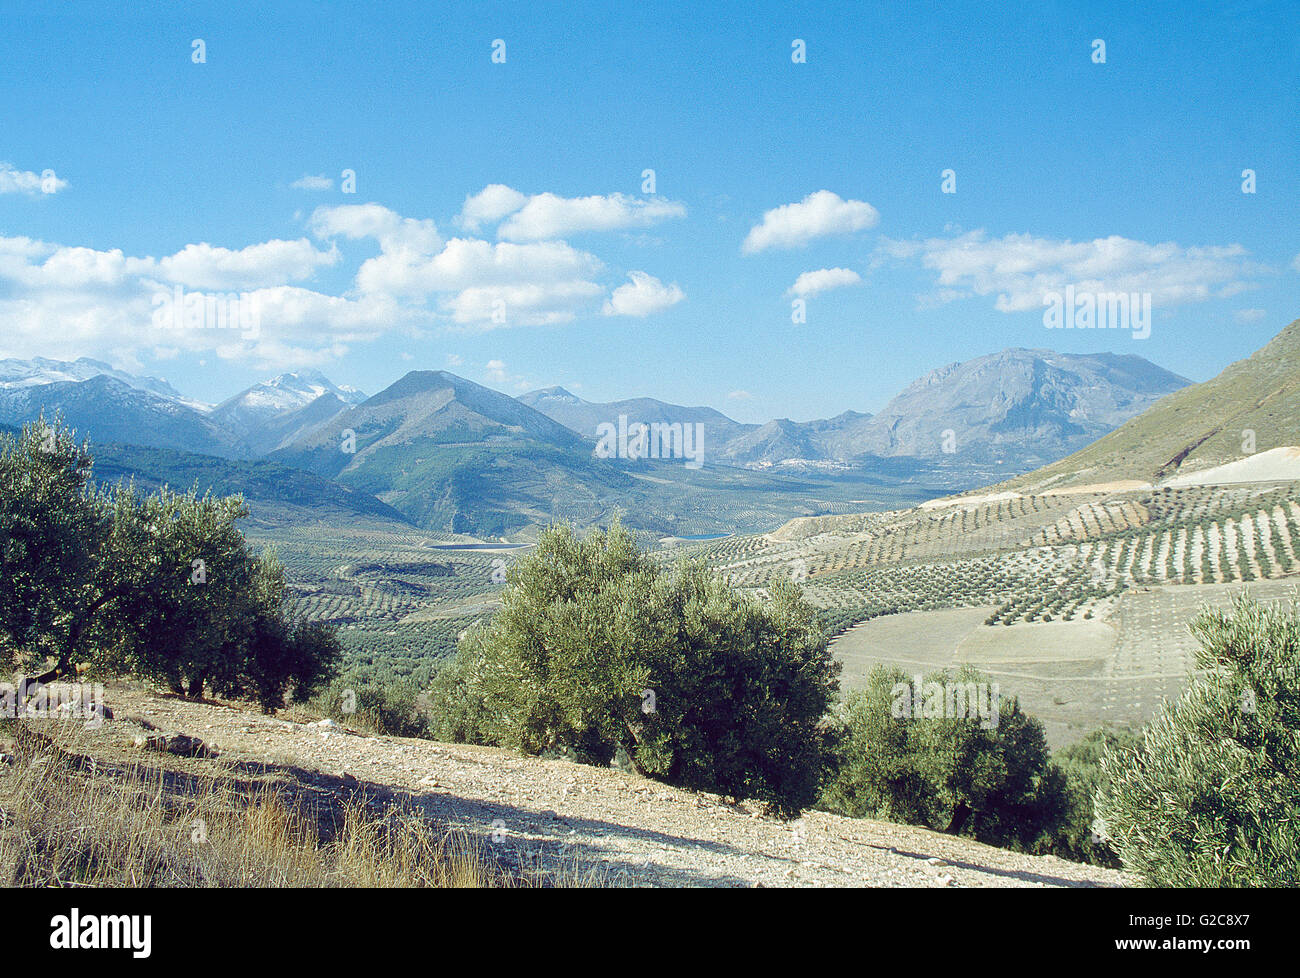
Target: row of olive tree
<point>159,586</point>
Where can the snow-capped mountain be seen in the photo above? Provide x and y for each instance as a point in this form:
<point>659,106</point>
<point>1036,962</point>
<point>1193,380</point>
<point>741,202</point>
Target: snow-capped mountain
<point>276,412</point>
<point>287,392</point>
<point>106,409</point>
<point>39,371</point>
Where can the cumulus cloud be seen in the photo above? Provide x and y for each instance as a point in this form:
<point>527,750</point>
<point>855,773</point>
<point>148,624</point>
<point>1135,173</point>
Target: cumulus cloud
<point>522,274</point>
<point>69,301</point>
<point>58,300</point>
<point>16,181</point>
<point>537,283</point>
<point>202,266</point>
<point>817,215</point>
<point>547,216</point>
<point>315,182</point>
<point>642,296</point>
<point>1019,269</point>
<point>532,304</point>
<point>489,205</point>
<point>390,229</point>
<point>810,283</point>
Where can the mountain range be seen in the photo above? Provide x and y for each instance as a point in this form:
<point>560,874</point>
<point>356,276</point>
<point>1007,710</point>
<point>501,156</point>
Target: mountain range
<point>449,454</point>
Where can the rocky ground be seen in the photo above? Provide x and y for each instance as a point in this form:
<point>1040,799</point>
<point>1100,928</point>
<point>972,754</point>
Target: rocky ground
<point>543,815</point>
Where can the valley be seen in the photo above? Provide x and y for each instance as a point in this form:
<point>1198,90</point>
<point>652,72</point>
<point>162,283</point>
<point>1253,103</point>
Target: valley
<point>1076,602</point>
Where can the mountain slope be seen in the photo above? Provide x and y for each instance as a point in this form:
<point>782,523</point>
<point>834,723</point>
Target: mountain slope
<point>276,494</point>
<point>1197,427</point>
<point>1017,406</point>
<point>423,409</point>
<point>455,455</point>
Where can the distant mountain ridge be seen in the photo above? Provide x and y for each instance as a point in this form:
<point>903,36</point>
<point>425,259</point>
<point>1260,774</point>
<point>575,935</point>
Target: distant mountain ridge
<point>1017,408</point>
<point>584,417</point>
<point>111,410</point>
<point>279,411</point>
<point>40,371</point>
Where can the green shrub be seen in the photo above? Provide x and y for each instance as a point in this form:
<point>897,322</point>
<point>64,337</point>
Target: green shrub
<point>1081,764</point>
<point>989,776</point>
<point>1211,796</point>
<point>391,708</point>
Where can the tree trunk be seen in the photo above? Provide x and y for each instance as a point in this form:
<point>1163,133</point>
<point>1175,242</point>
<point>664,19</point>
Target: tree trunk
<point>959,817</point>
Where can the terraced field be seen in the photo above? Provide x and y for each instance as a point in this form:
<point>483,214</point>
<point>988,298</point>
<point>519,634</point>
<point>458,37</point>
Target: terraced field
<point>399,599</point>
<point>1077,602</point>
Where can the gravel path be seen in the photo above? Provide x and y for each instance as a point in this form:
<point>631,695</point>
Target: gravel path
<point>629,830</point>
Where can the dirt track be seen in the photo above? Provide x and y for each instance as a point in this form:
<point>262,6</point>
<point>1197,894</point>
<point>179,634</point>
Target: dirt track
<point>548,813</point>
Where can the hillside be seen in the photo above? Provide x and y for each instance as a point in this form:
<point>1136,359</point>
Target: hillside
<point>557,817</point>
<point>277,495</point>
<point>1196,428</point>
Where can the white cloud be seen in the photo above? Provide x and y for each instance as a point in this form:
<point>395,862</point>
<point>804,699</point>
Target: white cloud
<point>810,283</point>
<point>1250,315</point>
<point>15,181</point>
<point>502,306</point>
<point>315,182</point>
<point>547,216</point>
<point>489,205</point>
<point>1019,269</point>
<point>498,374</point>
<point>454,360</point>
<point>390,229</point>
<point>817,215</point>
<point>643,296</point>
<point>740,395</point>
<point>71,301</point>
<point>74,301</point>
<point>202,266</point>
<point>470,264</point>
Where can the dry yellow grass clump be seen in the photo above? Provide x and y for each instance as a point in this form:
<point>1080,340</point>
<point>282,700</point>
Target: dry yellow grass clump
<point>69,818</point>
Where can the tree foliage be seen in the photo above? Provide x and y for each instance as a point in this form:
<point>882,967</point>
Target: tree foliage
<point>159,586</point>
<point>1211,795</point>
<point>596,651</point>
<point>990,777</point>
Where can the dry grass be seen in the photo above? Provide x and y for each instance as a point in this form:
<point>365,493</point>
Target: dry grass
<point>68,818</point>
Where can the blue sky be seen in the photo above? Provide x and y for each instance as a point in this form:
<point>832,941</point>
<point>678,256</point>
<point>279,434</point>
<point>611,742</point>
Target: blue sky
<point>1125,175</point>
